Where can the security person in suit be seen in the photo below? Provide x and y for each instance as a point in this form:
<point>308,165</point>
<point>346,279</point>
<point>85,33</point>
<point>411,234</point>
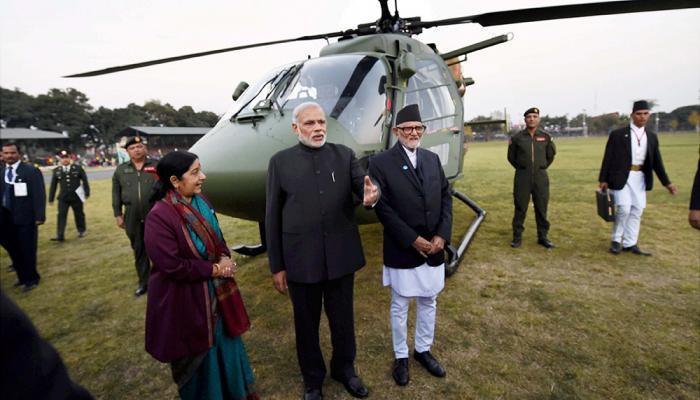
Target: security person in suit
<point>531,151</point>
<point>23,209</point>
<point>69,177</point>
<point>631,154</point>
<point>314,245</point>
<point>416,211</point>
<point>132,186</point>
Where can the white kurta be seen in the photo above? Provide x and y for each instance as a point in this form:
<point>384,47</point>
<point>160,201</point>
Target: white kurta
<point>422,281</point>
<point>634,192</point>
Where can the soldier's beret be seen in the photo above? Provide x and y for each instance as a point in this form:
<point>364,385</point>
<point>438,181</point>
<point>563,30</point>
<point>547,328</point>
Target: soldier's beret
<point>532,110</point>
<point>134,140</point>
<point>640,105</point>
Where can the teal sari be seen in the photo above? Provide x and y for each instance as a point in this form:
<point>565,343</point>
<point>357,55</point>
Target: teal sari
<point>223,372</point>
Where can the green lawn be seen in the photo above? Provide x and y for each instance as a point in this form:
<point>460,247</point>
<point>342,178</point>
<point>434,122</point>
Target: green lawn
<point>575,322</point>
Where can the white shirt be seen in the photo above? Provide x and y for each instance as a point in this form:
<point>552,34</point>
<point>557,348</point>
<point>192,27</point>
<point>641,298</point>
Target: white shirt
<point>639,144</point>
<point>412,156</point>
<point>14,172</point>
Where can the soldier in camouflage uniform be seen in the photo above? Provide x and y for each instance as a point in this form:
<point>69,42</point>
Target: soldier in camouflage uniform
<point>69,177</point>
<point>132,186</point>
<point>530,152</point>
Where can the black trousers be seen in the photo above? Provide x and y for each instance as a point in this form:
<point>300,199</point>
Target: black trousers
<point>78,213</point>
<point>536,184</point>
<point>337,298</point>
<point>20,241</point>
<point>134,230</point>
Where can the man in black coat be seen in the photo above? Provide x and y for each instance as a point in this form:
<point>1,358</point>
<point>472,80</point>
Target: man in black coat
<point>631,154</point>
<point>23,209</point>
<point>314,245</point>
<point>69,176</point>
<point>416,211</point>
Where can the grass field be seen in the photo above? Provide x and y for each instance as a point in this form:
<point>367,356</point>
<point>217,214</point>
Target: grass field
<point>527,323</point>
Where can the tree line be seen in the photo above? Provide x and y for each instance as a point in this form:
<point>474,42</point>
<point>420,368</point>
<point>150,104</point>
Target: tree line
<point>69,111</point>
<point>684,118</point>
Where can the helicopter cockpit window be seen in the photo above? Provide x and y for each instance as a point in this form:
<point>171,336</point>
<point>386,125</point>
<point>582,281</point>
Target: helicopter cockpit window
<point>428,88</point>
<point>349,88</point>
<point>256,92</point>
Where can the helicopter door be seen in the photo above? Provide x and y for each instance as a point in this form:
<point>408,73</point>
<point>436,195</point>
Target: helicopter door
<point>430,88</point>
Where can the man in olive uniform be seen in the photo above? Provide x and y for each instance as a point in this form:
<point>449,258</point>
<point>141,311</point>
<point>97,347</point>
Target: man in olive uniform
<point>69,176</point>
<point>132,186</point>
<point>530,152</point>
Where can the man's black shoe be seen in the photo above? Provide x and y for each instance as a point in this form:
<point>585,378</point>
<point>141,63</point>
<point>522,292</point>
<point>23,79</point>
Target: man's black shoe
<point>636,250</point>
<point>615,247</point>
<point>355,387</point>
<point>546,243</point>
<point>30,286</point>
<point>313,394</point>
<point>400,372</point>
<point>82,234</point>
<point>430,363</point>
<point>56,239</point>
<point>517,241</point>
<point>140,291</point>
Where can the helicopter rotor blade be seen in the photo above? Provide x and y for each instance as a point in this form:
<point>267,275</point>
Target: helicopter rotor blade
<point>127,67</point>
<point>561,12</point>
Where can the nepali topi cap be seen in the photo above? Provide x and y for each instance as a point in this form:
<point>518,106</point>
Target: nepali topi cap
<point>408,113</point>
<point>640,105</point>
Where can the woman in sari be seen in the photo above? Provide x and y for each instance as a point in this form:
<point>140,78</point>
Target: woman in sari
<point>195,314</point>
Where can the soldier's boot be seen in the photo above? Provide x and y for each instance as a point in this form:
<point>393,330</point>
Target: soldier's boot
<point>517,241</point>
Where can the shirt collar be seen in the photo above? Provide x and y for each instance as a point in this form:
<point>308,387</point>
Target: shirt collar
<point>14,166</point>
<point>636,129</point>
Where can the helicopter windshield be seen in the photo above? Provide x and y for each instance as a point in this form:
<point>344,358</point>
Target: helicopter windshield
<point>259,91</point>
<point>428,88</point>
<point>349,88</point>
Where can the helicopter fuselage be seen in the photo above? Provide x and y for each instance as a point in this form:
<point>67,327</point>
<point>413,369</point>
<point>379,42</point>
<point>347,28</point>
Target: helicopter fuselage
<point>360,83</point>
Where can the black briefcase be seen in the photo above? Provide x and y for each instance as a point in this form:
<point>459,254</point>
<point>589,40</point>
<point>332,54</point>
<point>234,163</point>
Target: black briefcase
<point>606,207</point>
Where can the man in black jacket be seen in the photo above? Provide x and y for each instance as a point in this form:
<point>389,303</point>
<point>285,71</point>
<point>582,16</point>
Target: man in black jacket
<point>631,154</point>
<point>314,245</point>
<point>69,176</point>
<point>416,211</point>
<point>23,209</point>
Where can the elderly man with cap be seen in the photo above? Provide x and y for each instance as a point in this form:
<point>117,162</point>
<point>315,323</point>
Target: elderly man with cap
<point>631,154</point>
<point>531,151</point>
<point>132,186</point>
<point>416,211</point>
<point>69,177</point>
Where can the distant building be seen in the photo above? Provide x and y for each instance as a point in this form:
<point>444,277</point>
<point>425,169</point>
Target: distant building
<point>163,139</point>
<point>39,146</point>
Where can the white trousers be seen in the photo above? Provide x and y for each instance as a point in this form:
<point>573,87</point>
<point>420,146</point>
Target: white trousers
<point>626,226</point>
<point>425,323</point>
<point>629,206</point>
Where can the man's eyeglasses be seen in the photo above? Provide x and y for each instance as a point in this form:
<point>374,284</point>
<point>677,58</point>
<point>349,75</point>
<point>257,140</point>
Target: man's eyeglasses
<point>408,129</point>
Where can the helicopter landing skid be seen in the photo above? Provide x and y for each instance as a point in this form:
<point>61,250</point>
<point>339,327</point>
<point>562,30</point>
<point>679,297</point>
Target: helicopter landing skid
<point>248,250</point>
<point>253,250</point>
<point>454,256</point>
